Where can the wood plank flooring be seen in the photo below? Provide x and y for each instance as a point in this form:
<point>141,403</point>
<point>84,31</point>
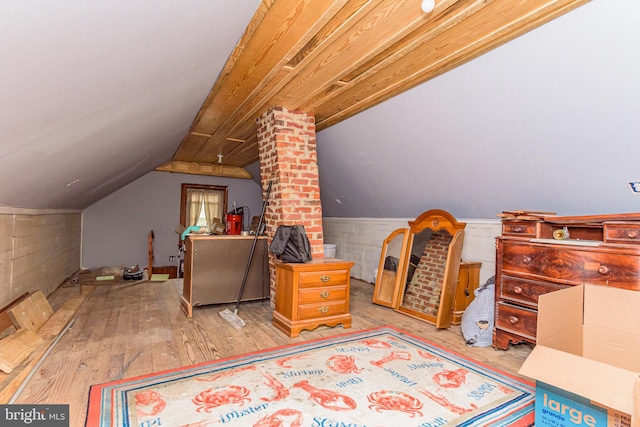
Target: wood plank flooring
<point>125,329</point>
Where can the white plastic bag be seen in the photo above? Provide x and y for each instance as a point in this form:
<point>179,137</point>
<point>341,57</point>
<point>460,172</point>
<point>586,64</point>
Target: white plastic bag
<point>478,318</point>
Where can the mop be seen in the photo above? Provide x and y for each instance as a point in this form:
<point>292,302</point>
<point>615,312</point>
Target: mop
<point>232,317</point>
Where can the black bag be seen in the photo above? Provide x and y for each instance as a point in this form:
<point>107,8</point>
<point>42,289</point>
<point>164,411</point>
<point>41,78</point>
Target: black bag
<point>291,244</point>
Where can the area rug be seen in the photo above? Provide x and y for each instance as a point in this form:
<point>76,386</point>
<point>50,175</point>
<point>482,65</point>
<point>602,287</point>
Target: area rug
<point>378,377</point>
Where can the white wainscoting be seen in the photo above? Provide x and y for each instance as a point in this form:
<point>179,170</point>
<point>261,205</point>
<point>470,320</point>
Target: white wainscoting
<point>360,240</point>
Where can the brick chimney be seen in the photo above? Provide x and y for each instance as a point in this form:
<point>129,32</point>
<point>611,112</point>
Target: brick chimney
<point>287,152</point>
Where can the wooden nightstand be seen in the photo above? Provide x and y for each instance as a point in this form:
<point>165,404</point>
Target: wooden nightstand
<point>468,282</point>
<point>312,294</point>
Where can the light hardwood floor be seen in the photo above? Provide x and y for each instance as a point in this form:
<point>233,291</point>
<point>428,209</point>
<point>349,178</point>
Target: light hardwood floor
<point>125,329</point>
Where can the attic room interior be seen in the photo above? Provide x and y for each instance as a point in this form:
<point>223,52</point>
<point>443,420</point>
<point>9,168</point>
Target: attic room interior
<point>152,151</point>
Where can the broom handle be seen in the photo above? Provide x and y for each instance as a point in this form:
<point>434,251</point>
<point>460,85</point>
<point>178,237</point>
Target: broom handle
<point>253,246</point>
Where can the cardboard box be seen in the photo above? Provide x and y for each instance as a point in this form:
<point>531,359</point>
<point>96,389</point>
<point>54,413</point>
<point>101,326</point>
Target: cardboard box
<point>587,357</point>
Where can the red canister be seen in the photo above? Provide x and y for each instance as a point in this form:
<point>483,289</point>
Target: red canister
<point>234,224</point>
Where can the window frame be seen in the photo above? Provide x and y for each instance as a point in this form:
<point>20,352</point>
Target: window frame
<point>183,197</point>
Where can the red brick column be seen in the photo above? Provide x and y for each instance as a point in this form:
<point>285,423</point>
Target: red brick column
<point>287,151</point>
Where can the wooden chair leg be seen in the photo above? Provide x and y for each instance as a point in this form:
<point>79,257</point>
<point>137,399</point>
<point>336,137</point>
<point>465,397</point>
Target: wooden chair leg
<point>150,254</point>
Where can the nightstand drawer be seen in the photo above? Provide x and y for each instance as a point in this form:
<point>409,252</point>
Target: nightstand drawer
<point>314,311</point>
<point>622,233</point>
<point>524,291</point>
<point>519,228</point>
<point>321,294</point>
<point>323,278</point>
<point>519,320</point>
<point>312,294</point>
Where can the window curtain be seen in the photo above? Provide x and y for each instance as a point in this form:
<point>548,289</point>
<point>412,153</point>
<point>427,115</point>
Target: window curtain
<point>194,203</point>
<point>212,206</point>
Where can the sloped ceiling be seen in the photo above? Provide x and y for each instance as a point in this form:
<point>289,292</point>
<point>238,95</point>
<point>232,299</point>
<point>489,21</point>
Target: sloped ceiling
<point>547,122</point>
<point>96,94</point>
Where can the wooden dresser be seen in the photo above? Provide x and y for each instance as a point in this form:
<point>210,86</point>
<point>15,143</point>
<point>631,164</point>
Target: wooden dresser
<point>312,294</point>
<point>214,270</point>
<point>538,256</point>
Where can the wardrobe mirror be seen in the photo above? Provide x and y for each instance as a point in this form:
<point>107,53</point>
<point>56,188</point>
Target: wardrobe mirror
<point>431,266</point>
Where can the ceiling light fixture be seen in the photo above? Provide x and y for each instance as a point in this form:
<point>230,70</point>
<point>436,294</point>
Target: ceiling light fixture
<point>428,5</point>
<point>220,156</point>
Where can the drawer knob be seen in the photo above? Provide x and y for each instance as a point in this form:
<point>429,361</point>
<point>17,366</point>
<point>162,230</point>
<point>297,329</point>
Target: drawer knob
<point>632,234</point>
<point>324,310</point>
<point>517,229</point>
<point>526,260</point>
<point>324,294</point>
<point>325,278</point>
<point>513,320</point>
<point>517,290</point>
<point>603,269</point>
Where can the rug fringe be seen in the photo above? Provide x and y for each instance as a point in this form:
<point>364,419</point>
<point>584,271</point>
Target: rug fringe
<point>232,318</point>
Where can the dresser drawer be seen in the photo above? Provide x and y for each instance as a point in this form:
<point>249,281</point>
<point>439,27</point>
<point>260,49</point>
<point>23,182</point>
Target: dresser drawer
<point>524,291</point>
<point>622,233</point>
<point>571,265</point>
<point>321,294</point>
<point>327,309</point>
<point>518,320</point>
<point>519,228</point>
<point>323,278</point>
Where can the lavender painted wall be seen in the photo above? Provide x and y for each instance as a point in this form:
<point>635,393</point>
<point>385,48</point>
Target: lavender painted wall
<point>115,229</point>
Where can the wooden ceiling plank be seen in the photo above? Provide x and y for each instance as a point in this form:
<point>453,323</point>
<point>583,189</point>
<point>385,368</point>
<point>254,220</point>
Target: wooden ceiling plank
<point>256,19</point>
<point>285,29</point>
<point>450,19</point>
<point>241,119</point>
<point>451,16</point>
<point>281,38</point>
<point>246,153</point>
<point>344,15</point>
<point>190,145</point>
<point>402,19</point>
<point>500,23</point>
<point>447,14</point>
<point>248,125</point>
<point>373,33</point>
<point>453,12</point>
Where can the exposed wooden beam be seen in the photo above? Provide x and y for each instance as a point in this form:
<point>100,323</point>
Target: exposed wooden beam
<point>208,169</point>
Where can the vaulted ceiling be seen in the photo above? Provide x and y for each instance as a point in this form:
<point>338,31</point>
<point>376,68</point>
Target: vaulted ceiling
<point>414,110</point>
<point>336,58</point>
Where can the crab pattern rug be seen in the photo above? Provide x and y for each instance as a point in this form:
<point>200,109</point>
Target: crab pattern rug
<point>376,378</point>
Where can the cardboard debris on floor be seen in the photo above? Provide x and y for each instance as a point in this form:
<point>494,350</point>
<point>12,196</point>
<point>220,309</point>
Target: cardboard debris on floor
<point>585,361</point>
<point>17,347</point>
<point>32,312</point>
<point>27,315</point>
<point>34,328</point>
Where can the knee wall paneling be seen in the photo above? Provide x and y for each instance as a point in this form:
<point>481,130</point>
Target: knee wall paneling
<point>360,240</point>
<point>37,252</point>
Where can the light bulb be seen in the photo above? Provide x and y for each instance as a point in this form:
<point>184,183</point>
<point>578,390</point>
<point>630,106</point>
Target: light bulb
<point>428,5</point>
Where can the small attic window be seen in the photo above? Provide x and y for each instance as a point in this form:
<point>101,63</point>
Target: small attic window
<point>201,204</point>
